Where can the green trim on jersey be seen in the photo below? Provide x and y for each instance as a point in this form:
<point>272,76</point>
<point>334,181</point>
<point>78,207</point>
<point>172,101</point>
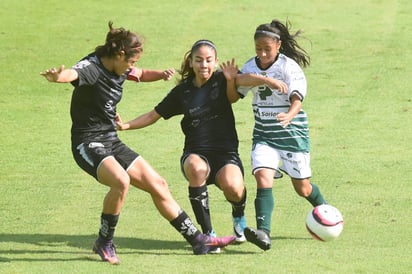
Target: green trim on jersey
<point>294,138</point>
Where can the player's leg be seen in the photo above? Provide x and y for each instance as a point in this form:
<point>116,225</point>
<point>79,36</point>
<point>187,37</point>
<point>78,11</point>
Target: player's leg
<point>230,180</point>
<point>96,158</point>
<point>297,165</point>
<point>264,201</point>
<point>265,161</point>
<point>111,174</point>
<point>309,191</point>
<point>264,205</point>
<point>196,170</point>
<point>146,178</point>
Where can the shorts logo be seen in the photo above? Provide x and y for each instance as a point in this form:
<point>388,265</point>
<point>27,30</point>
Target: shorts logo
<point>82,151</point>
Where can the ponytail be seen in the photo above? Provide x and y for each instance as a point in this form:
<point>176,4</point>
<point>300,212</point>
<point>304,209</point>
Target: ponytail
<point>289,47</point>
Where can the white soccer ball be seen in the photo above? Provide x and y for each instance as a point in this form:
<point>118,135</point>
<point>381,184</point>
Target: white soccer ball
<point>324,223</point>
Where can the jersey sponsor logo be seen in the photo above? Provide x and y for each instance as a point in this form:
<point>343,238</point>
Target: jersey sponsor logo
<point>263,114</point>
<point>268,114</point>
<point>198,111</point>
<point>194,110</point>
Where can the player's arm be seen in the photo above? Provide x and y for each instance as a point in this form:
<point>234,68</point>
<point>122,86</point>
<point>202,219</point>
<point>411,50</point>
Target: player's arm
<point>230,70</point>
<point>150,75</point>
<point>295,107</point>
<point>253,80</point>
<point>60,75</point>
<point>141,121</point>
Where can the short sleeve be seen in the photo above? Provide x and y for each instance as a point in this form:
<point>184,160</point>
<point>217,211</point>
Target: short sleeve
<point>87,71</point>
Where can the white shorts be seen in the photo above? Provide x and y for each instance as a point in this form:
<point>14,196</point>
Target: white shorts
<point>295,164</point>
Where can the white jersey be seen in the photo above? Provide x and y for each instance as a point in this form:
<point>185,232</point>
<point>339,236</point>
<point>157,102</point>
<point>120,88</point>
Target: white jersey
<point>267,103</point>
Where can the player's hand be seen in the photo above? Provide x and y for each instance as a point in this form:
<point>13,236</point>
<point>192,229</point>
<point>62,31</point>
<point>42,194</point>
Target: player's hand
<point>277,84</point>
<point>119,122</point>
<point>168,74</point>
<point>229,69</point>
<point>52,75</point>
<point>284,119</point>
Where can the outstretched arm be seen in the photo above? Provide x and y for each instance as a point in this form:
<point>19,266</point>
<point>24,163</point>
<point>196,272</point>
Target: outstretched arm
<point>253,80</point>
<point>141,121</point>
<point>230,70</point>
<point>60,75</point>
<point>150,75</point>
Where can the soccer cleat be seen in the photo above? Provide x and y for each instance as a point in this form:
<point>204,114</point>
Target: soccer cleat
<point>258,237</point>
<point>204,243</point>
<point>106,251</point>
<point>239,225</point>
<point>214,250</point>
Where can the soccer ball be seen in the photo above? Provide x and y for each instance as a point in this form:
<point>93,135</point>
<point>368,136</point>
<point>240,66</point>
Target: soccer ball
<point>324,223</point>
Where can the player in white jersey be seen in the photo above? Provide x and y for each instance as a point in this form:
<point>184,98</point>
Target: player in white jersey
<point>281,135</point>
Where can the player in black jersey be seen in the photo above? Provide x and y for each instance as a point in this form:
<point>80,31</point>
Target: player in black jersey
<point>98,85</point>
<point>210,155</point>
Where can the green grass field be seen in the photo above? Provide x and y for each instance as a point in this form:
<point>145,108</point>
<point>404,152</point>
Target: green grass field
<point>359,105</point>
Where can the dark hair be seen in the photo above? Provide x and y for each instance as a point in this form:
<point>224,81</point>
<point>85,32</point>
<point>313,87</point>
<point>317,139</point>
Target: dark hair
<point>118,40</point>
<point>289,47</point>
<point>186,71</point>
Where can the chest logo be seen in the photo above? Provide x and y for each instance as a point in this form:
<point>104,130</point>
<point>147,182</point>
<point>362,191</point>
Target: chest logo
<point>264,92</point>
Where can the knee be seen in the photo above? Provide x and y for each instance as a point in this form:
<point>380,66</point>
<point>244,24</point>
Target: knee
<point>303,193</point>
<point>302,187</point>
<point>122,185</point>
<point>196,168</point>
<point>264,178</point>
<point>162,183</point>
<point>159,187</point>
<point>234,193</point>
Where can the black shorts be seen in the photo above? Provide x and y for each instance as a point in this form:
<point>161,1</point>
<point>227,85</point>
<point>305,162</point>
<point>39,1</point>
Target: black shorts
<point>216,160</point>
<point>90,153</point>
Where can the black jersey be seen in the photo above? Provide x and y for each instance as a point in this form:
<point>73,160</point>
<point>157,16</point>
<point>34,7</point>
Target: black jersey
<point>96,94</point>
<point>208,122</point>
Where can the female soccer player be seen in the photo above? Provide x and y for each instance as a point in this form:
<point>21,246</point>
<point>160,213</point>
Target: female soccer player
<point>210,154</point>
<point>98,85</point>
<point>281,134</point>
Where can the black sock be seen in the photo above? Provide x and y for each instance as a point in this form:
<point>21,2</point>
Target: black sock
<point>238,208</point>
<point>108,224</point>
<point>185,226</point>
<point>199,199</point>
